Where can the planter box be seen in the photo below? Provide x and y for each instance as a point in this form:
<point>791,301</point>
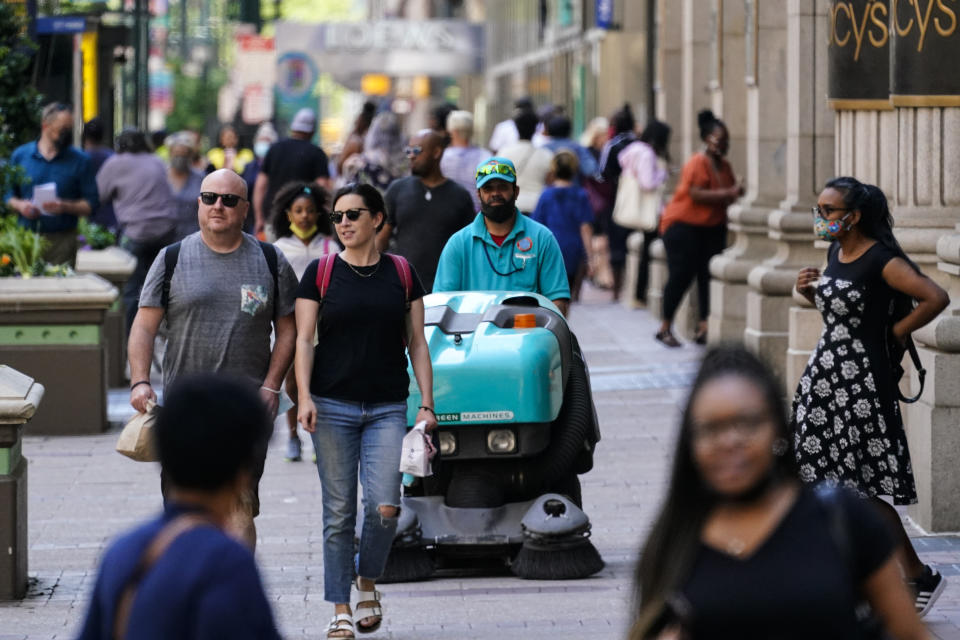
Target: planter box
<point>51,329</point>
<point>114,265</point>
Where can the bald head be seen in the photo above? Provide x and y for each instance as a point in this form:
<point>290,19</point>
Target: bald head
<point>225,178</point>
<point>427,162</point>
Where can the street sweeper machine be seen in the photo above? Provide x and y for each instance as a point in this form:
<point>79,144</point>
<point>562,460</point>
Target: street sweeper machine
<point>517,425</point>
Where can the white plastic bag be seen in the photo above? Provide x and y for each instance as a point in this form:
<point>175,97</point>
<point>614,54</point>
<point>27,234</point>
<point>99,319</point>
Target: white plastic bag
<point>415,458</point>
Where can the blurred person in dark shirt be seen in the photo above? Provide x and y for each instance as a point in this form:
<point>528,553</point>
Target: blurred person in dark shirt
<point>92,141</point>
<point>290,159</point>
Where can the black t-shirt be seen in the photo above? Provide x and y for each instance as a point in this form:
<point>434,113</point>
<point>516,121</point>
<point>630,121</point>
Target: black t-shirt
<point>292,159</point>
<point>360,355</point>
<point>797,583</point>
<point>422,227</point>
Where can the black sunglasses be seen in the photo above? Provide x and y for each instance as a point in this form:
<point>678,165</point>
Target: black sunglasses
<point>336,217</point>
<point>230,200</point>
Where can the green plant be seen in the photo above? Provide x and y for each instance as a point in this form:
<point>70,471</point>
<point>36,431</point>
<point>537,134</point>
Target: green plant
<point>24,247</point>
<point>94,236</point>
<point>19,100</point>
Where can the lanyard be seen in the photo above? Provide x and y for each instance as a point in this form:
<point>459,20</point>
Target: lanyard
<point>486,252</point>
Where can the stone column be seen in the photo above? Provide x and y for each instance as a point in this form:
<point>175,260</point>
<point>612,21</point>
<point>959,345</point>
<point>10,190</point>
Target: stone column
<point>764,106</point>
<point>809,151</point>
<point>932,433</point>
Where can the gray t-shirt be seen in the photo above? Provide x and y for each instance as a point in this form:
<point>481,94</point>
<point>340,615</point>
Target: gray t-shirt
<point>221,308</point>
<point>143,202</point>
<point>421,227</point>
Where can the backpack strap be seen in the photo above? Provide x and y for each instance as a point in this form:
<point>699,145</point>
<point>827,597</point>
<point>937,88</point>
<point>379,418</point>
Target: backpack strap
<point>167,535</point>
<point>324,273</point>
<point>406,276</point>
<point>170,256</point>
<point>921,372</point>
<point>270,254</point>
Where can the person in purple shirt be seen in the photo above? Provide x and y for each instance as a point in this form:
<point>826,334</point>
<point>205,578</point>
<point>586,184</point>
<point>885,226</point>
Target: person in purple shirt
<point>180,575</point>
<point>51,158</point>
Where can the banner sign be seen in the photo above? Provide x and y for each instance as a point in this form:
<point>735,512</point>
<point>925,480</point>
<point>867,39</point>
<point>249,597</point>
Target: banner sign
<point>926,46</point>
<point>858,54</point>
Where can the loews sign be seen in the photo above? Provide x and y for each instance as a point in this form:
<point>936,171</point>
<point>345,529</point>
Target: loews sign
<point>884,53</point>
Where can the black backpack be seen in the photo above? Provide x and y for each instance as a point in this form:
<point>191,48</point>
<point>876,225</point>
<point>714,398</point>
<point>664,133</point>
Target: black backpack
<point>900,307</point>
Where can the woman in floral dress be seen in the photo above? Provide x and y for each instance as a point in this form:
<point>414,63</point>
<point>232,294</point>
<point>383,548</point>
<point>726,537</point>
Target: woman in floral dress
<point>846,416</point>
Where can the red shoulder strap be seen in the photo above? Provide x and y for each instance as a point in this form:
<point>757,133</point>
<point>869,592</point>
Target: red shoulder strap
<point>324,272</point>
<point>406,277</point>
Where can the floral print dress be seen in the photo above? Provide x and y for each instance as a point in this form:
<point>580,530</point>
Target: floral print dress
<point>846,416</point>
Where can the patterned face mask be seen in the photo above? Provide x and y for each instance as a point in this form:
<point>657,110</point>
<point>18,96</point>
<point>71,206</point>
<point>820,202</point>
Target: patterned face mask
<point>828,229</point>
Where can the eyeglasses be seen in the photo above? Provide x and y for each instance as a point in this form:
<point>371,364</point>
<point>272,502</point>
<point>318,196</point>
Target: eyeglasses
<point>230,200</point>
<point>336,217</point>
<point>744,427</point>
<point>826,210</point>
<point>413,151</point>
<point>497,168</point>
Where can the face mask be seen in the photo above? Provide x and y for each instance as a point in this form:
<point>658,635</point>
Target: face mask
<point>828,229</point>
<point>180,163</point>
<point>64,139</point>
<point>260,148</point>
<point>300,233</point>
<point>498,213</point>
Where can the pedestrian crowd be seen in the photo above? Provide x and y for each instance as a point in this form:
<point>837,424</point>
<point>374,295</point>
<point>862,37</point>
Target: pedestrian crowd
<point>774,524</point>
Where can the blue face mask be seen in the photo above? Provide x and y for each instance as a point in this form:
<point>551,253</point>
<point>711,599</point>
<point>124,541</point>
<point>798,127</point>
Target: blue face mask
<point>261,147</point>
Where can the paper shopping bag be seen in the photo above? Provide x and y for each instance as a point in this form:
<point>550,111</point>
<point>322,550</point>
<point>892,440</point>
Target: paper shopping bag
<point>136,439</point>
<point>415,458</point>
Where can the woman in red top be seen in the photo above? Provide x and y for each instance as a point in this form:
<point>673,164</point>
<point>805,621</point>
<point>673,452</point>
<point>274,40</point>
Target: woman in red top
<point>694,224</point>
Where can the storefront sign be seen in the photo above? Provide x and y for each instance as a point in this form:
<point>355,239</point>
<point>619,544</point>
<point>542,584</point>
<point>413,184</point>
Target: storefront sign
<point>926,47</point>
<point>859,54</point>
<point>391,47</point>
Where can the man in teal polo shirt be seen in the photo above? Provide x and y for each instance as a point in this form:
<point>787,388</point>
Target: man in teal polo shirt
<point>503,250</point>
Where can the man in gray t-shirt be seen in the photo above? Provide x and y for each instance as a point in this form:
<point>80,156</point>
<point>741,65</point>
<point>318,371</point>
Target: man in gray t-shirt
<point>222,305</point>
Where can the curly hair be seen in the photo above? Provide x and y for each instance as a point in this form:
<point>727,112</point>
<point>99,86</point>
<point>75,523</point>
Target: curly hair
<point>285,198</point>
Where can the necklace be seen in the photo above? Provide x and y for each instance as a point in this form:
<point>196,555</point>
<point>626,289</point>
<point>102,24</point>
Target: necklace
<point>363,275</point>
<point>427,194</point>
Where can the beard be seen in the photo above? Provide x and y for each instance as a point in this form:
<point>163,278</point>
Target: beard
<point>498,211</point>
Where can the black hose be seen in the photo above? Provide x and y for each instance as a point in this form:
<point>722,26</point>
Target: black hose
<point>570,433</point>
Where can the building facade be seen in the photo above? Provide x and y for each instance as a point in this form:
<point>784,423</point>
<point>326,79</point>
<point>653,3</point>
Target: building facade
<point>809,93</point>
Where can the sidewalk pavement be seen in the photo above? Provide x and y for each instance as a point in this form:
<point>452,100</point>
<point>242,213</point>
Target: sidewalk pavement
<point>82,494</point>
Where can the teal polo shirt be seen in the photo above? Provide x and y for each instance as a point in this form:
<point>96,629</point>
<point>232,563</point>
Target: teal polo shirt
<point>528,260</point>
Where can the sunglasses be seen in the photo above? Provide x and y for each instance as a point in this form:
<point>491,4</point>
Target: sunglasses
<point>336,217</point>
<point>413,151</point>
<point>229,200</point>
<point>499,169</point>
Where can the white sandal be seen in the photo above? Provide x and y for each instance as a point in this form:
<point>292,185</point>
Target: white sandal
<point>368,612</point>
<point>341,622</point>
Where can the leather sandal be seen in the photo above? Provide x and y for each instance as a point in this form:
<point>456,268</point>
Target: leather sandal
<point>667,338</point>
<point>341,623</point>
<point>701,337</point>
<point>363,611</point>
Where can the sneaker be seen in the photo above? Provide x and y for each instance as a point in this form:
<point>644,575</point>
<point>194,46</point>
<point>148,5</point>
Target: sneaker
<point>928,588</point>
<point>293,450</point>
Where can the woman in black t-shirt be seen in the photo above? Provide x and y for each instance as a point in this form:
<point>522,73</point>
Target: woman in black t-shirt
<point>353,388</point>
<point>741,548</point>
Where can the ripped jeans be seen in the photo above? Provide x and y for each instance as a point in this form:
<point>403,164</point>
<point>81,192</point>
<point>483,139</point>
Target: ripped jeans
<point>354,436</point>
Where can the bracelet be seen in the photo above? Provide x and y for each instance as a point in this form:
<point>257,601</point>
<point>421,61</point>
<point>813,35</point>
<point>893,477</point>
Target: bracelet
<point>273,391</point>
<point>137,384</point>
<point>430,409</point>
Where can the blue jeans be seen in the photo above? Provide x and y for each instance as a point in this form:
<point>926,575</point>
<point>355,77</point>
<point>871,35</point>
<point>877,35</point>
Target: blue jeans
<point>368,437</point>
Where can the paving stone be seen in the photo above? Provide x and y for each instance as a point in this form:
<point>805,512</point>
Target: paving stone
<point>82,494</point>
